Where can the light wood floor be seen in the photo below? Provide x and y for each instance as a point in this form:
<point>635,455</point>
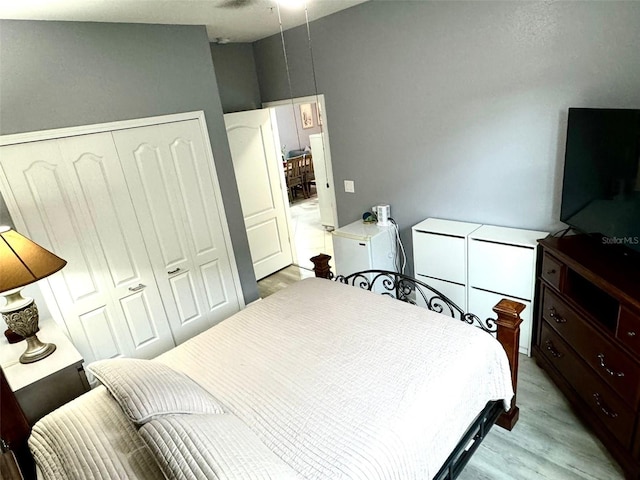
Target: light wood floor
<point>282,279</point>
<point>548,443</point>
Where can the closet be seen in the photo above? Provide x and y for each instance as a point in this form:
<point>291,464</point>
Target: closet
<point>135,209</point>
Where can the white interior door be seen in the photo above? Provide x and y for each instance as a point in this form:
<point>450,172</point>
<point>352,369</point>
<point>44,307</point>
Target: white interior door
<point>262,189</point>
<point>173,189</point>
<point>324,184</point>
<point>96,177</point>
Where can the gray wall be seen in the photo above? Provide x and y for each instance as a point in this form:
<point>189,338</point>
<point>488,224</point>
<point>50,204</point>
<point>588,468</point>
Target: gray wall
<point>60,74</point>
<point>5,218</point>
<point>458,109</point>
<point>290,130</point>
<point>236,75</point>
<point>271,67</point>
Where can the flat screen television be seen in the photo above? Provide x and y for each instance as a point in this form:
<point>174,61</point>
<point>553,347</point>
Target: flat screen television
<point>601,187</point>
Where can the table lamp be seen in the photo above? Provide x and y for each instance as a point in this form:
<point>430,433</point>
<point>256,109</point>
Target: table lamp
<point>23,262</point>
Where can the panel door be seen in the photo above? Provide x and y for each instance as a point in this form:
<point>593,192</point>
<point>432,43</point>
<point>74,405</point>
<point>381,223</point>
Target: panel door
<point>261,189</point>
<point>49,213</point>
<point>169,174</point>
<point>103,202</point>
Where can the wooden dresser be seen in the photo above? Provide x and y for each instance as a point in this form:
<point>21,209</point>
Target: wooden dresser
<point>588,338</point>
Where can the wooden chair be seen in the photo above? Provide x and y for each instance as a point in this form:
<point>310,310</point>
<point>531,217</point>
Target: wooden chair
<point>308,175</point>
<point>294,176</point>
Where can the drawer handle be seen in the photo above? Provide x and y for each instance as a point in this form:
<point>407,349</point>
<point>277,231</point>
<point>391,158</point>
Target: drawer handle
<point>607,369</point>
<point>551,272</point>
<point>556,316</point>
<point>175,270</point>
<point>603,407</point>
<point>552,349</point>
<point>138,288</point>
<point>631,333</point>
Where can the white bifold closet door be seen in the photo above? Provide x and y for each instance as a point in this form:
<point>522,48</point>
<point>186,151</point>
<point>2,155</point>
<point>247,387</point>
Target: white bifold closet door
<point>73,201</point>
<point>170,181</point>
<point>135,214</point>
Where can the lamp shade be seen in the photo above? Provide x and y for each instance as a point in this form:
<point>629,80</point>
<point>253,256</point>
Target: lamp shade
<point>23,262</point>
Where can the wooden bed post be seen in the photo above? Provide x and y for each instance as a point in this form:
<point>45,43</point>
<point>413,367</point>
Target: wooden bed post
<point>321,265</point>
<point>508,334</point>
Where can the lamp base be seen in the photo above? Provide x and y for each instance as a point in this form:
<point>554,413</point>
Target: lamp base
<point>21,315</point>
<point>36,350</point>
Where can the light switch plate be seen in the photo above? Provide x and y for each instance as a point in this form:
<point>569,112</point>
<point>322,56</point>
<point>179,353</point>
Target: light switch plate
<point>349,186</point>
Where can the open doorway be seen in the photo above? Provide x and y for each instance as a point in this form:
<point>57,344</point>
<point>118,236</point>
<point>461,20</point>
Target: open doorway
<point>304,142</point>
<point>282,228</point>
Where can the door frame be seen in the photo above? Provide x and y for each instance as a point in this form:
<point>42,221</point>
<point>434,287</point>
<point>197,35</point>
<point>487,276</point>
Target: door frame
<point>26,137</point>
<point>318,99</point>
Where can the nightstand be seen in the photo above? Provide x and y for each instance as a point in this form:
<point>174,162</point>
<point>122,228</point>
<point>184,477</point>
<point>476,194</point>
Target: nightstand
<point>43,386</point>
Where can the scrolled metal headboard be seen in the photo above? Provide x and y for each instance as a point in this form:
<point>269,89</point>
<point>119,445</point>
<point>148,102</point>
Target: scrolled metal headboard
<point>414,291</point>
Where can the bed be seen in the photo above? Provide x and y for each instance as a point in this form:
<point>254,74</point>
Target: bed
<point>318,381</point>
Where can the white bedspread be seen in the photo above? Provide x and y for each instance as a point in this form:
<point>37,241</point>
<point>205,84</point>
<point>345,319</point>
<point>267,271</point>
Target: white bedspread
<point>343,383</point>
<point>91,439</point>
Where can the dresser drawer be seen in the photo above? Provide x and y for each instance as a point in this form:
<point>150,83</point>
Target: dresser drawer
<point>552,270</point>
<point>614,366</point>
<point>629,329</point>
<point>606,405</point>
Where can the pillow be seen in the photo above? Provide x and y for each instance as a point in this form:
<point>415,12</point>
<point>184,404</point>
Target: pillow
<point>146,389</point>
<point>90,438</point>
<point>211,446</point>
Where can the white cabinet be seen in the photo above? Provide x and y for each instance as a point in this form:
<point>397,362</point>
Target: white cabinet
<point>41,387</point>
<point>136,213</point>
<point>477,265</point>
<point>360,246</point>
<point>502,264</point>
<point>440,256</point>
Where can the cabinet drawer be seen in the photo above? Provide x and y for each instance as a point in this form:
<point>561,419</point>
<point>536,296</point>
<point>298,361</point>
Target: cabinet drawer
<point>606,405</point>
<point>481,303</point>
<point>501,268</point>
<point>552,270</point>
<point>629,329</point>
<point>456,293</point>
<point>440,256</point>
<point>615,367</point>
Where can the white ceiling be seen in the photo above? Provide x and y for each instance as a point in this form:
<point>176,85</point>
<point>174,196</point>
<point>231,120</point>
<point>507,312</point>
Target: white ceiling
<point>236,20</point>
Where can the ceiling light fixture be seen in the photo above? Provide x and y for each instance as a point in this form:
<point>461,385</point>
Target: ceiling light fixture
<point>291,4</point>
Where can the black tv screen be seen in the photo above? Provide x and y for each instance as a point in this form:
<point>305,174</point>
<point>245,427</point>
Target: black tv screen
<point>601,188</point>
